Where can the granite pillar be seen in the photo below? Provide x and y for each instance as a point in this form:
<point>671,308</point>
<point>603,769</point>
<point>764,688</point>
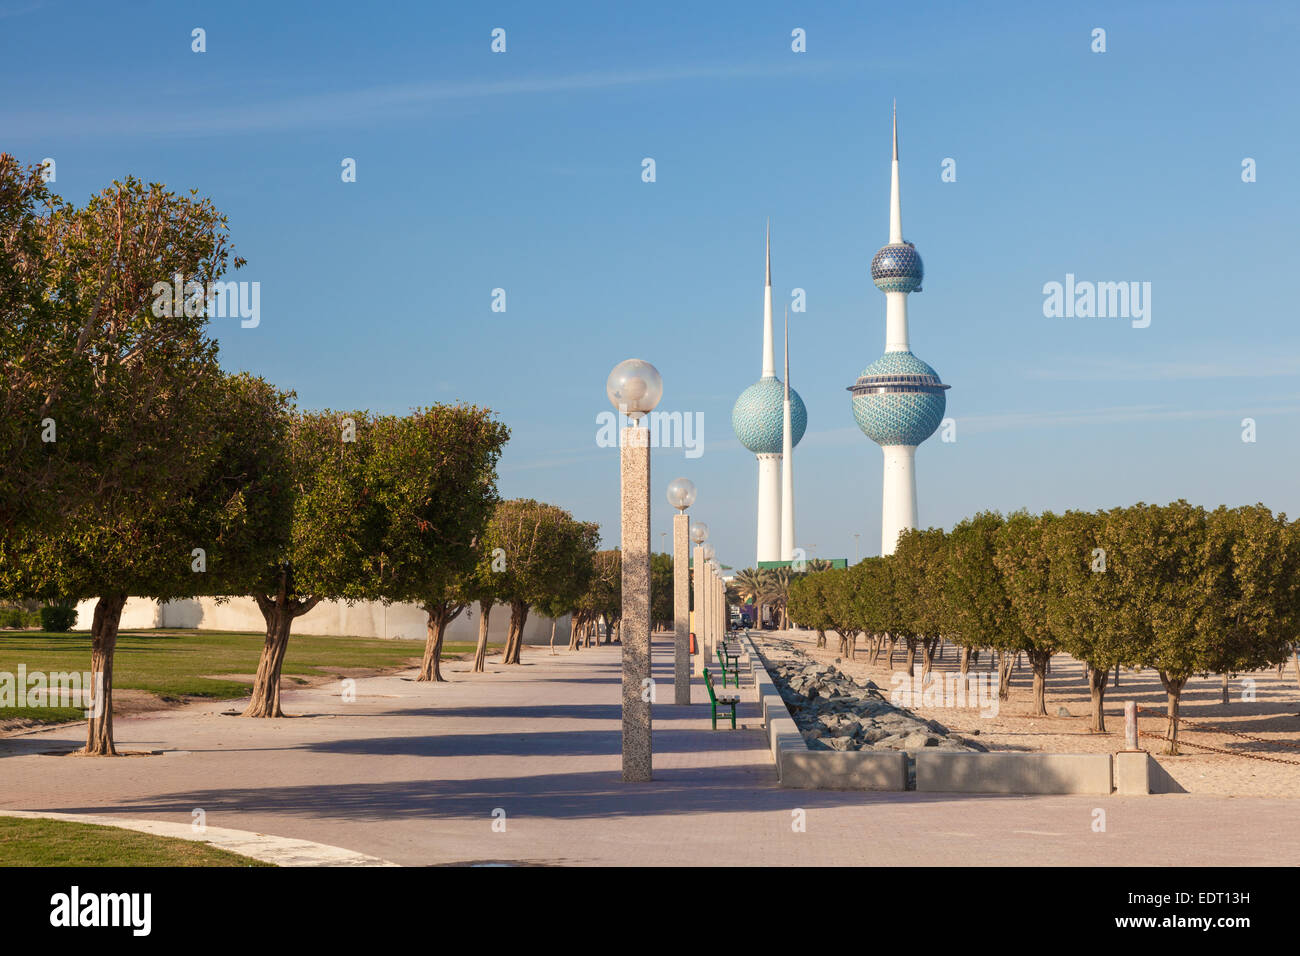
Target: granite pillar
<point>681,609</point>
<point>700,579</point>
<point>635,629</point>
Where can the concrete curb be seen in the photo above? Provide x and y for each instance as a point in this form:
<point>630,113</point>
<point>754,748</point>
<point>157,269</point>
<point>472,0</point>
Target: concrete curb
<point>798,767</point>
<point>282,851</point>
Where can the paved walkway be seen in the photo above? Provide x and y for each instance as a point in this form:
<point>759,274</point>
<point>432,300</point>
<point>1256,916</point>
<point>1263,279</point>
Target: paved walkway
<point>423,774</point>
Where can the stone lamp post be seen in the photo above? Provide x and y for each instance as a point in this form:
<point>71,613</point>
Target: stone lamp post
<point>634,388</point>
<point>681,495</point>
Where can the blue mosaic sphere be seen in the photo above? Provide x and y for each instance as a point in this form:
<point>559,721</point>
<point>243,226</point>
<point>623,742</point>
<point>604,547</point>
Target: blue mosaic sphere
<point>897,268</point>
<point>760,412</point>
<point>898,400</point>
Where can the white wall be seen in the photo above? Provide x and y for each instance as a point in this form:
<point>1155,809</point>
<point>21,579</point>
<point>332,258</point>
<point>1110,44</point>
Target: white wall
<point>332,618</point>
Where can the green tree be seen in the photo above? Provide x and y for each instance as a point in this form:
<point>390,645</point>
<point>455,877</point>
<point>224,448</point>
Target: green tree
<point>808,605</point>
<point>1081,612</point>
<point>1262,600</point>
<point>918,565</point>
<point>775,592</point>
<point>544,550</point>
<point>1023,567</point>
<point>602,598</point>
<point>196,540</point>
<point>1168,587</point>
<point>118,384</point>
<point>840,590</point>
<point>432,478</point>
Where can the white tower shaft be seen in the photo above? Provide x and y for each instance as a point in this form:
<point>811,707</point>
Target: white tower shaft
<point>899,508</point>
<point>787,460</point>
<point>896,322</point>
<point>769,507</point>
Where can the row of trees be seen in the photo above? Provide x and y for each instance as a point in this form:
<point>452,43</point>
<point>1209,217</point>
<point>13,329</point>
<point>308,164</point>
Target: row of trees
<point>136,466</point>
<point>1177,588</point>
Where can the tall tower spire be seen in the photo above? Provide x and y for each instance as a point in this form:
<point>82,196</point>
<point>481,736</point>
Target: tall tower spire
<point>769,357</point>
<point>895,300</point>
<point>895,202</point>
<point>898,400</point>
<point>787,459</point>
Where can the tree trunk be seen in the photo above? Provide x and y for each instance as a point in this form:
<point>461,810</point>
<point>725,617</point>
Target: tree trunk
<point>928,647</point>
<point>892,642</point>
<point>911,654</point>
<point>821,637</point>
<point>1097,690</point>
<point>853,646</point>
<point>1116,683</point>
<point>1226,700</point>
<point>553,623</point>
<point>265,700</point>
<point>103,642</point>
<point>441,613</point>
<point>965,661</point>
<point>1005,663</point>
<point>480,650</point>
<point>1173,692</point>
<point>514,644</point>
<point>1039,660</point>
<point>974,656</point>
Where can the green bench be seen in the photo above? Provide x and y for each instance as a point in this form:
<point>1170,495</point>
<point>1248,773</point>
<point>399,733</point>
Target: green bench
<point>723,657</point>
<point>715,701</point>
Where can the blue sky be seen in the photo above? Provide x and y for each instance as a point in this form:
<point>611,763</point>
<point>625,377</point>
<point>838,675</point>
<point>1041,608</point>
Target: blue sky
<point>522,171</point>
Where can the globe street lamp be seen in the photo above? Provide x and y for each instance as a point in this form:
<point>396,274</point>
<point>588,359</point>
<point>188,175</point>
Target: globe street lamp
<point>681,495</point>
<point>634,388</point>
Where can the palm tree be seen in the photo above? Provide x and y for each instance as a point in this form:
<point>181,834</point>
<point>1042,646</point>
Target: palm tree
<point>776,591</point>
<point>748,585</point>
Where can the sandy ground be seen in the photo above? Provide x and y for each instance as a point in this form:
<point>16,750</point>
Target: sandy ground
<point>1274,717</point>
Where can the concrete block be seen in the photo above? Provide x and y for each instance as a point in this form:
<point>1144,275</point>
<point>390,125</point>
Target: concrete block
<point>804,769</point>
<point>783,734</point>
<point>1132,772</point>
<point>1013,773</point>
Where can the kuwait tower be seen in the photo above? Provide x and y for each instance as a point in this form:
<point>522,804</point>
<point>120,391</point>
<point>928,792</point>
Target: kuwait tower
<point>758,420</point>
<point>898,400</point>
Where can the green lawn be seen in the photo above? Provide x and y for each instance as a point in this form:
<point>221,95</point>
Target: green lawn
<point>171,663</point>
<point>26,842</point>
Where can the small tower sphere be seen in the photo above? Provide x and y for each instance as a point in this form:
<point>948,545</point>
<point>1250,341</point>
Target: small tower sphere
<point>897,267</point>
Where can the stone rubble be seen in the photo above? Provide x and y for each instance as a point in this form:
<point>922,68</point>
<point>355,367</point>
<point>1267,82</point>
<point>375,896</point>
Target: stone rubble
<point>834,712</point>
